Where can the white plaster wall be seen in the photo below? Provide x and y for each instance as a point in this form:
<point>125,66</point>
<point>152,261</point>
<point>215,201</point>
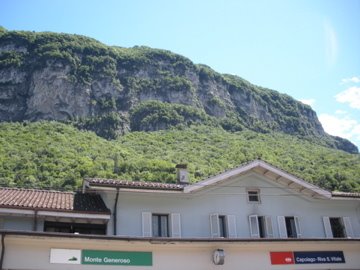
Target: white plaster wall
<point>231,199</point>
<point>35,254</point>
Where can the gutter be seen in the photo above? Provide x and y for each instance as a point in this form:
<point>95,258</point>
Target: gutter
<point>2,250</point>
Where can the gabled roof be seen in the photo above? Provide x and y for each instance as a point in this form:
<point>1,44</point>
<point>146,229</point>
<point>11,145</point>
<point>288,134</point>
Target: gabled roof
<point>269,171</point>
<point>34,199</point>
<point>261,167</point>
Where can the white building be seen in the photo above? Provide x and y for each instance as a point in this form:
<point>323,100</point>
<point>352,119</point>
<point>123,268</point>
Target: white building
<point>255,216</point>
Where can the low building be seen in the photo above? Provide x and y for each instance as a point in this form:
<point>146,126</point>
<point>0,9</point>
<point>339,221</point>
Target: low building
<point>255,216</point>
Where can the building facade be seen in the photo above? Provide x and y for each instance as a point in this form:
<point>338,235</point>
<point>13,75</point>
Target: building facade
<point>255,216</point>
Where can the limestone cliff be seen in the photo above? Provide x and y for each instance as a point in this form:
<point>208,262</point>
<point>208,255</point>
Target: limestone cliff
<point>112,90</point>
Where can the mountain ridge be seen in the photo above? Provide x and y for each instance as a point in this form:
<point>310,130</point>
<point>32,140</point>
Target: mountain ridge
<point>114,90</point>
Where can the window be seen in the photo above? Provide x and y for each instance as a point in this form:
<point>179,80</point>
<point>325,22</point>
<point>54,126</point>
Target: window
<point>160,225</point>
<point>289,227</point>
<point>337,227</point>
<point>81,228</point>
<point>253,196</point>
<point>260,226</point>
<point>222,225</point>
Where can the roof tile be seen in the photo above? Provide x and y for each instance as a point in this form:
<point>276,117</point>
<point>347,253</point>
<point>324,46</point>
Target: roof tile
<point>51,200</point>
<point>134,184</point>
<point>346,194</point>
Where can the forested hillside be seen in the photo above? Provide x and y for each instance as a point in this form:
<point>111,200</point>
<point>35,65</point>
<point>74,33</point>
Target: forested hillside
<point>72,107</point>
<point>58,156</point>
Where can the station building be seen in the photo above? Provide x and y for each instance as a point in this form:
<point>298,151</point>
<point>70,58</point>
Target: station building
<point>255,216</point>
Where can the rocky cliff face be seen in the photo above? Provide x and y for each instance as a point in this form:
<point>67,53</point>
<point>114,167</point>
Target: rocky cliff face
<point>113,90</point>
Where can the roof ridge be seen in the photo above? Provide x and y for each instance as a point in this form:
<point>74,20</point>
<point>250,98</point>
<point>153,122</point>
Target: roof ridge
<point>130,181</point>
<point>37,190</point>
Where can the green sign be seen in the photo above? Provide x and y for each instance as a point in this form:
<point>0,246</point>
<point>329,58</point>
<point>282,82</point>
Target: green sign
<point>104,257</point>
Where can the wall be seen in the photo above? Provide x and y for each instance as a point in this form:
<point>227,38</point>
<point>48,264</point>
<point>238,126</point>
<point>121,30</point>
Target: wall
<point>230,199</point>
<point>18,223</point>
<point>35,253</point>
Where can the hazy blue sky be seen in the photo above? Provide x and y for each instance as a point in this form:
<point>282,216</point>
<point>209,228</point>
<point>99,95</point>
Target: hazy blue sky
<point>309,49</point>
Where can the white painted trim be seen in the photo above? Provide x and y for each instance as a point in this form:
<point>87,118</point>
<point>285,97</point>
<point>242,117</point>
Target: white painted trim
<point>73,215</point>
<point>269,227</point>
<point>220,177</point>
<point>348,227</point>
<point>214,225</point>
<point>296,180</point>
<point>16,211</point>
<point>254,226</point>
<point>231,226</point>
<point>282,227</point>
<point>258,163</point>
<point>297,227</point>
<point>175,221</point>
<point>327,227</point>
<point>146,221</point>
<point>53,214</point>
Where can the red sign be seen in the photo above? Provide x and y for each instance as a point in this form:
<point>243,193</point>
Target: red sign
<point>282,258</point>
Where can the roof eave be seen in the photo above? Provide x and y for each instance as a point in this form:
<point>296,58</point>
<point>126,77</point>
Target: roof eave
<point>314,191</point>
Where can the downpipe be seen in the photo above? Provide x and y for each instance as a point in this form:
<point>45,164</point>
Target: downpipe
<point>2,250</point>
<point>115,211</point>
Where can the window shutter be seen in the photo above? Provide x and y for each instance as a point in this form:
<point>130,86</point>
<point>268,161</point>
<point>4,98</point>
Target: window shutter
<point>348,228</point>
<point>269,227</point>
<point>297,226</point>
<point>327,227</point>
<point>214,225</point>
<point>231,226</point>
<point>146,224</point>
<point>175,225</point>
<point>282,227</point>
<point>254,226</point>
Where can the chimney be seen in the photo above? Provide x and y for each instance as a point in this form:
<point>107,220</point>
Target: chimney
<point>182,174</point>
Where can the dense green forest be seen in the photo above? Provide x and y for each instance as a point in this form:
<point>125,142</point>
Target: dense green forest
<point>58,156</point>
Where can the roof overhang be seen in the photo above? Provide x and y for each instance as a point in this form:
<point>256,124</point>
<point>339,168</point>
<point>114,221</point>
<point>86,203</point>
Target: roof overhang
<point>49,213</point>
<point>273,173</point>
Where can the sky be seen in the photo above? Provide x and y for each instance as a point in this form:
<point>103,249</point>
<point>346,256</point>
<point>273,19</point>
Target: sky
<point>308,49</point>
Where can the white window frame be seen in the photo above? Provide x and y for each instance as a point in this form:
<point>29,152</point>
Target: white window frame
<point>174,224</point>
<point>346,221</point>
<point>282,226</point>
<point>159,218</point>
<point>248,195</point>
<point>230,226</point>
<point>254,226</point>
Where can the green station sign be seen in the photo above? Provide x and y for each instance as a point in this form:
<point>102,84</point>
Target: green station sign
<point>105,257</point>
